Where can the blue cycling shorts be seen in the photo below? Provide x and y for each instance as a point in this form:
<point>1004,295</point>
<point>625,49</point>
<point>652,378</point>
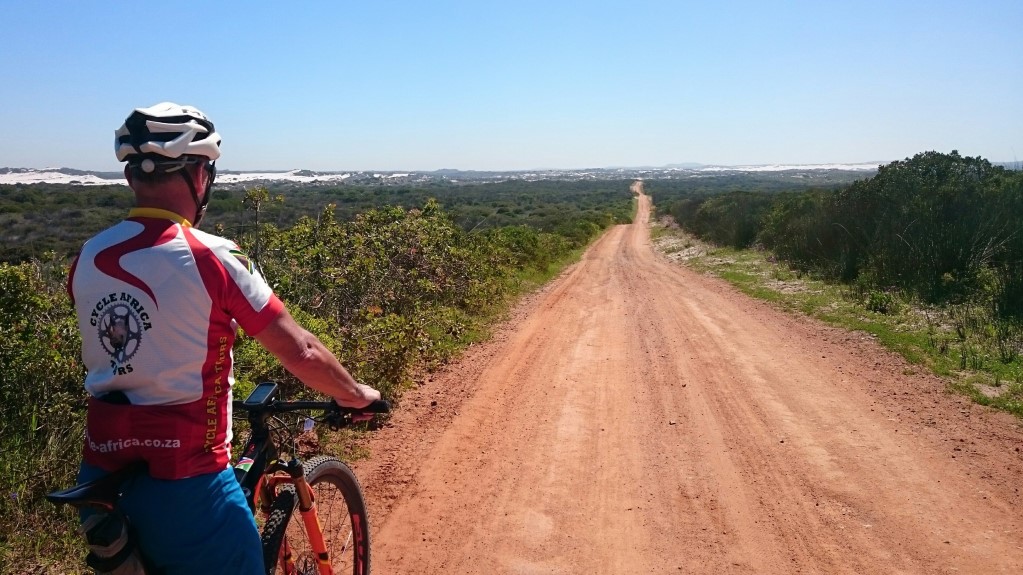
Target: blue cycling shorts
<point>200,524</point>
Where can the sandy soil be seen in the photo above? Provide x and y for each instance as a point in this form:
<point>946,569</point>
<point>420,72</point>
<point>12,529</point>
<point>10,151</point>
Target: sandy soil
<point>637,417</point>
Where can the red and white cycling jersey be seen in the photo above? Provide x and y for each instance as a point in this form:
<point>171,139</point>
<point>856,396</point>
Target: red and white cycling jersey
<point>158,304</point>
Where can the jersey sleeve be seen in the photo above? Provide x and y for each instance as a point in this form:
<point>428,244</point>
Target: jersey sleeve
<point>240,291</point>
<point>250,301</point>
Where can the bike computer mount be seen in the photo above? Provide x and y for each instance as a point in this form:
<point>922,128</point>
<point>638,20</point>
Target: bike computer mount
<point>264,394</point>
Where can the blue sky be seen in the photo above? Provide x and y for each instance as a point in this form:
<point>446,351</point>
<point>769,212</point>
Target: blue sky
<point>402,85</point>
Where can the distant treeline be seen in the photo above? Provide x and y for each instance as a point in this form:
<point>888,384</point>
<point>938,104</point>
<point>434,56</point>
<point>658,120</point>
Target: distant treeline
<point>40,218</point>
<point>940,227</point>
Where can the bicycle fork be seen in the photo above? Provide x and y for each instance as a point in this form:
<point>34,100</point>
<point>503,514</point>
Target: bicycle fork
<point>310,520</point>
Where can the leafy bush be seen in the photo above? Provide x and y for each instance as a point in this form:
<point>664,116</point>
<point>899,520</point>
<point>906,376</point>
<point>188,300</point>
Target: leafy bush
<point>939,227</point>
<point>41,393</point>
<point>929,224</point>
<point>882,302</point>
<point>393,289</point>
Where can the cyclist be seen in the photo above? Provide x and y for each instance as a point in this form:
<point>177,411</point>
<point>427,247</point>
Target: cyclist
<point>158,303</point>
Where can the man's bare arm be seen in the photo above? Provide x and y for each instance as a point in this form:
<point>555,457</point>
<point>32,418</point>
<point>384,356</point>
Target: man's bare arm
<point>304,355</point>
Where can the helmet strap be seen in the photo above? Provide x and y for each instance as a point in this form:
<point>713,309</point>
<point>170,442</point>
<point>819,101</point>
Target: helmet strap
<point>200,205</point>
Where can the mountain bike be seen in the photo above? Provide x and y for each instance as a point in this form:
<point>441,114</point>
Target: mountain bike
<point>330,534</point>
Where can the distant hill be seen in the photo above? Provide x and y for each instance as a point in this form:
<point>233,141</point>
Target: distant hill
<point>231,178</point>
<point>58,176</point>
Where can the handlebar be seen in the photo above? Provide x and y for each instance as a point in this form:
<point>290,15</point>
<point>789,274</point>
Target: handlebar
<point>264,402</point>
<point>331,407</point>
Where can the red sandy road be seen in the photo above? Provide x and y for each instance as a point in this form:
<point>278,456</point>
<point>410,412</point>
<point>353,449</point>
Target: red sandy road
<point>640,418</point>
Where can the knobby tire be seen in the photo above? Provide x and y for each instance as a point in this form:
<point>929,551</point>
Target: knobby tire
<point>342,513</point>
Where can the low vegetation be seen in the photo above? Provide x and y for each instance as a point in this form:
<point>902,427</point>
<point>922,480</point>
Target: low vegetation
<point>40,218</point>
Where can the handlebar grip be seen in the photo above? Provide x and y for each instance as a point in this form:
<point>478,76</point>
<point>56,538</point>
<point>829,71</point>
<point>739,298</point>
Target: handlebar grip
<point>378,406</point>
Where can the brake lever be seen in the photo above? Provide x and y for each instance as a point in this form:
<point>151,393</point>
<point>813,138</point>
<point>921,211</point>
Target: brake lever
<point>335,419</point>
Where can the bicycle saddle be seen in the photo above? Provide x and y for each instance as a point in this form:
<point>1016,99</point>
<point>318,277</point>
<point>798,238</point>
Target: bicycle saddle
<point>102,492</point>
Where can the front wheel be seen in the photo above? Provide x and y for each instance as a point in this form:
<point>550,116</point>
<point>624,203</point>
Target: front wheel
<point>342,514</point>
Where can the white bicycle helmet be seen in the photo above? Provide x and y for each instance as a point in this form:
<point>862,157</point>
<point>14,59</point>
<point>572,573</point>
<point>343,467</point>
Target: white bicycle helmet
<point>167,137</point>
<point>166,130</point>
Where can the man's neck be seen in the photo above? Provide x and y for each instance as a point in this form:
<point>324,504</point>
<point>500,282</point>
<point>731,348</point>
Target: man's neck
<point>159,214</point>
<point>185,211</point>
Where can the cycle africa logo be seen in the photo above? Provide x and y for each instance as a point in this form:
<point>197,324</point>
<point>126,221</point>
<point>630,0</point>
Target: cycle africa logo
<point>120,320</point>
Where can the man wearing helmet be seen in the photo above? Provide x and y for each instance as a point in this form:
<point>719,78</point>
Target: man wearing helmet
<point>158,305</point>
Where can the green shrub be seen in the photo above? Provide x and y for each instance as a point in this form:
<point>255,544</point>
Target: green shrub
<point>882,302</point>
<point>41,395</point>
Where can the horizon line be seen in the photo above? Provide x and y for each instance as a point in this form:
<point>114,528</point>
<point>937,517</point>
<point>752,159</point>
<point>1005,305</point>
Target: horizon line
<point>671,166</point>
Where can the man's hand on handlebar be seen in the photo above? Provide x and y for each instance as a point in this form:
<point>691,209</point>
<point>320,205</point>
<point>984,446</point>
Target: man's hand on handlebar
<point>367,395</point>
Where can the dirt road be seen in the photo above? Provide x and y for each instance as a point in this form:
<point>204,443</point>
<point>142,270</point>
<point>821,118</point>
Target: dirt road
<point>637,417</point>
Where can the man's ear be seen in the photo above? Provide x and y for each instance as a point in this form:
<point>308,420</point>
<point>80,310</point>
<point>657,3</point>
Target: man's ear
<point>199,178</point>
<point>127,174</point>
